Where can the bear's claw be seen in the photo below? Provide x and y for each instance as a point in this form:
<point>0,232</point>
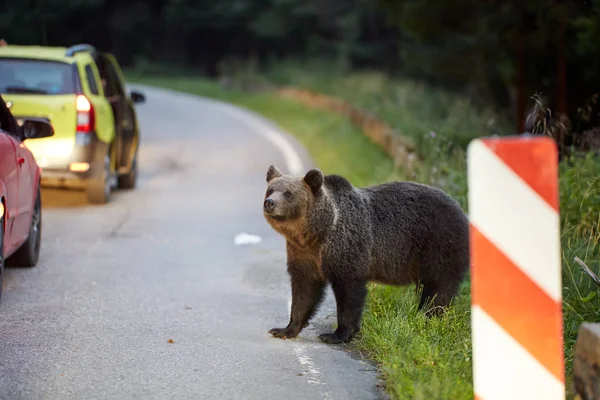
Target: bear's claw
<point>331,338</point>
<point>282,333</point>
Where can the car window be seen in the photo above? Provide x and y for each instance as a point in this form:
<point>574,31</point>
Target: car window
<point>114,77</point>
<point>110,79</point>
<point>7,122</point>
<point>91,79</point>
<point>110,87</point>
<point>36,76</point>
<point>107,86</point>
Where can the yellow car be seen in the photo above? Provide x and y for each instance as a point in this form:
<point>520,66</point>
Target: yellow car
<point>82,92</point>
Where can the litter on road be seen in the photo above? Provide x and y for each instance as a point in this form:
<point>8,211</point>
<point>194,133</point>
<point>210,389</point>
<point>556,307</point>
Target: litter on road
<point>244,238</point>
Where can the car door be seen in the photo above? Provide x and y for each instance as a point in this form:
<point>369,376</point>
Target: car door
<point>118,100</point>
<point>25,190</point>
<point>8,187</point>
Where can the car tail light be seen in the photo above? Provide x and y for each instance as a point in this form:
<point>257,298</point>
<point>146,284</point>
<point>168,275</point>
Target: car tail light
<point>86,118</point>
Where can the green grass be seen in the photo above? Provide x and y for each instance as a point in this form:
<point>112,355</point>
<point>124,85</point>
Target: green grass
<point>580,221</point>
<point>421,359</point>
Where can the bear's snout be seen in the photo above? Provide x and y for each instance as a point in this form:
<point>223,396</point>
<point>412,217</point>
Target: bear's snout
<point>269,205</point>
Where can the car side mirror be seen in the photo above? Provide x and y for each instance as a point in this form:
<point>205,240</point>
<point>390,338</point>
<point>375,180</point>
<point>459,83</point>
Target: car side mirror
<point>137,97</point>
<point>36,128</point>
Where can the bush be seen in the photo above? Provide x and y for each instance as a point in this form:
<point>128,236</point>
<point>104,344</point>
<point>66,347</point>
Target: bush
<point>580,195</point>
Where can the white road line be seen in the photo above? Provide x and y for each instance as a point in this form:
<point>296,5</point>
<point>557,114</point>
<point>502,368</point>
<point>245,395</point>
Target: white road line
<point>312,372</point>
<point>292,159</point>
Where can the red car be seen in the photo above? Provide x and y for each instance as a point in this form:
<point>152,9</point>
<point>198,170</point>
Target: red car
<point>20,198</point>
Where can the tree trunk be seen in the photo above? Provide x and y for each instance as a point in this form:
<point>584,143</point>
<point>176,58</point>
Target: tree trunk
<point>521,78</point>
<point>521,102</point>
<point>561,76</point>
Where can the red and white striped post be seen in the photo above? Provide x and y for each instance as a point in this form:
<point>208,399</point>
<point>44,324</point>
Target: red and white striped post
<point>516,269</point>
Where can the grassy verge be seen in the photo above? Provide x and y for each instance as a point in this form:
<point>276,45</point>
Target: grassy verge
<point>420,359</point>
<point>411,107</point>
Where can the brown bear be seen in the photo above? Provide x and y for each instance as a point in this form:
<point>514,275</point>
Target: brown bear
<point>394,233</point>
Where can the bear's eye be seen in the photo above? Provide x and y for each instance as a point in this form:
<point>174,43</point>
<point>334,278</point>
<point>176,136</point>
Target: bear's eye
<point>269,192</point>
<point>287,194</point>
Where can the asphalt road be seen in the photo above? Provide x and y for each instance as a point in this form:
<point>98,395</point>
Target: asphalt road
<point>116,283</point>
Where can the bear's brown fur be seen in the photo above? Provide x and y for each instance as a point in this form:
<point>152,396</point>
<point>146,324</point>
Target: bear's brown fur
<point>395,233</point>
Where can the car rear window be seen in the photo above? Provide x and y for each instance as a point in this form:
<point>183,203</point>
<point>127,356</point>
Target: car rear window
<point>36,77</point>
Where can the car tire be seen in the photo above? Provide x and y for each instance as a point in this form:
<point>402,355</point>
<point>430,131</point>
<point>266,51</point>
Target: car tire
<point>29,252</point>
<point>1,254</point>
<point>128,181</point>
<point>99,188</point>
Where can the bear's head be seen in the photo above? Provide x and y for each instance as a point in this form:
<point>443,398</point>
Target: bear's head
<point>290,198</point>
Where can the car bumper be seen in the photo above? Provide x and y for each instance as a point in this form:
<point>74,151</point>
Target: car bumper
<point>85,161</point>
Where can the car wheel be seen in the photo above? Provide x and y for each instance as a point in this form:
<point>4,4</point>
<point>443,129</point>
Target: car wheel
<point>98,189</point>
<point>128,181</point>
<point>29,252</point>
<point>1,254</point>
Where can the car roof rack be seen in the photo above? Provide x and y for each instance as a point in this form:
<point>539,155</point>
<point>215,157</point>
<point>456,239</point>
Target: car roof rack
<point>79,48</point>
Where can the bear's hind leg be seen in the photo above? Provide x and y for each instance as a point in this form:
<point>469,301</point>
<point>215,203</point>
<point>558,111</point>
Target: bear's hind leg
<point>440,294</point>
<point>350,299</point>
<point>308,292</point>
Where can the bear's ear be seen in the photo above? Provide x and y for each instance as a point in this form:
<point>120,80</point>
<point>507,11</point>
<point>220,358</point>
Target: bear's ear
<point>273,173</point>
<point>314,179</point>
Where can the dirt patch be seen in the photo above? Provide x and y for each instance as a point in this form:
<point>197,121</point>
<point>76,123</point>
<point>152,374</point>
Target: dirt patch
<point>400,148</point>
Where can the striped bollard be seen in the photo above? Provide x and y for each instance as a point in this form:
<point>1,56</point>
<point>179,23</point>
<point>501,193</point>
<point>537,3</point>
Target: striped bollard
<point>516,269</point>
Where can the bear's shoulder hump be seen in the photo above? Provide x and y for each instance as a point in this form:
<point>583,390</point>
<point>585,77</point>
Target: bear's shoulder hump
<point>336,182</point>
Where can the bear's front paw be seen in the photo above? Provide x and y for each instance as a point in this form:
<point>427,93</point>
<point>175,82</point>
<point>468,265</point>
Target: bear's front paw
<point>283,333</point>
<point>333,338</point>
